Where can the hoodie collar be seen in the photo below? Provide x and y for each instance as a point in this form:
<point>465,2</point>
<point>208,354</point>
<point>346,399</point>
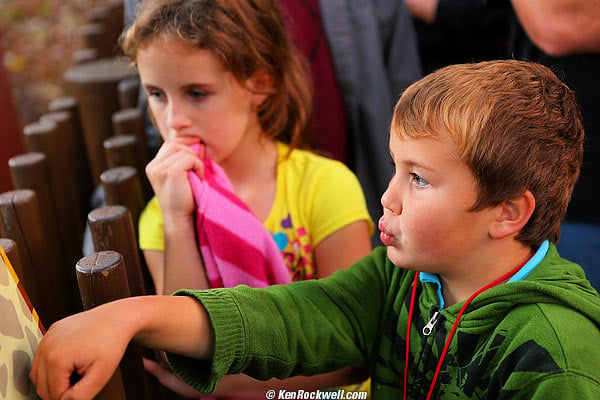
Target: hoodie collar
<point>426,277</point>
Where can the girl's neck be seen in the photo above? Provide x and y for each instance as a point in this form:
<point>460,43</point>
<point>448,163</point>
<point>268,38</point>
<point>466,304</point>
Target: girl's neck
<point>251,161</point>
<point>253,174</point>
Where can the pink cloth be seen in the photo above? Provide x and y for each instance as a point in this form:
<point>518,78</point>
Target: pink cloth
<point>235,245</point>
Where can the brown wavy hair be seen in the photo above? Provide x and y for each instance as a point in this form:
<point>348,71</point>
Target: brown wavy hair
<point>247,36</point>
<point>516,126</point>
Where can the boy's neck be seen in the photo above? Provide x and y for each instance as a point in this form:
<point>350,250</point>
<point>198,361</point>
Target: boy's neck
<point>457,288</point>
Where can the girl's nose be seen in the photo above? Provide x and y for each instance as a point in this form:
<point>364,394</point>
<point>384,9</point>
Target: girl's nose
<point>177,120</point>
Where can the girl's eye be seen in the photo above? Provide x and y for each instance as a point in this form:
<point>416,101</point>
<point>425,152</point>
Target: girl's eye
<point>197,94</point>
<point>418,180</point>
<point>157,94</point>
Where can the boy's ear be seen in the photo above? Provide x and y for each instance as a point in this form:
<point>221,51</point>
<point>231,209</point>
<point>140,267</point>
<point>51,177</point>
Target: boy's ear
<point>513,215</point>
<point>261,84</point>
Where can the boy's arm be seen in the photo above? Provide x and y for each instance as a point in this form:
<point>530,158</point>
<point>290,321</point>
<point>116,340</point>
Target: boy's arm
<point>91,344</point>
<point>303,328</point>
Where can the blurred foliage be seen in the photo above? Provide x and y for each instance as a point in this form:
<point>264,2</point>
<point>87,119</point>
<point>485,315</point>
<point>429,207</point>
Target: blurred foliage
<point>39,38</point>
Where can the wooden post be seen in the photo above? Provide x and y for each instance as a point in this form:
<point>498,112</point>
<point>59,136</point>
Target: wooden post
<point>44,279</point>
<point>112,229</point>
<point>83,56</point>
<point>75,168</point>
<point>102,278</point>
<point>122,187</point>
<point>110,15</point>
<point>113,390</point>
<point>94,84</point>
<point>44,137</point>
<point>123,150</point>
<point>129,93</point>
<point>130,121</point>
<point>12,252</point>
<point>30,171</point>
<point>70,104</point>
<point>95,37</point>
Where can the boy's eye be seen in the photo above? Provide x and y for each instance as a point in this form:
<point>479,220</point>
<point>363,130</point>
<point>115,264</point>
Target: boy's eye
<point>418,180</point>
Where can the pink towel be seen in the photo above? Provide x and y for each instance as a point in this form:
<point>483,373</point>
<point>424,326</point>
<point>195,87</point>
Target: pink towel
<point>235,246</point>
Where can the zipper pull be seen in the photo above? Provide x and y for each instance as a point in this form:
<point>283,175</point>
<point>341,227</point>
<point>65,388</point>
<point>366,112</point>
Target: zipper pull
<point>427,329</point>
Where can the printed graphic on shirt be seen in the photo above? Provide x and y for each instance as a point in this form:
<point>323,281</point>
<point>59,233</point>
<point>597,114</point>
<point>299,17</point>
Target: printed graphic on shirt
<point>481,368</point>
<point>296,250</point>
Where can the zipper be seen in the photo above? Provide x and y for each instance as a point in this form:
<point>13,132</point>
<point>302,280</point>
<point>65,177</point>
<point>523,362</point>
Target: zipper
<point>427,329</point>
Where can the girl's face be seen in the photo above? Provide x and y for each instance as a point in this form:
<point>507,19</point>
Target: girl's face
<point>193,98</point>
<point>426,224</point>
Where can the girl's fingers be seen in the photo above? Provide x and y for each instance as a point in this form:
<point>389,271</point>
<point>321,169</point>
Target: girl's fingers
<point>174,167</point>
<point>168,155</point>
<point>202,151</point>
<point>176,146</point>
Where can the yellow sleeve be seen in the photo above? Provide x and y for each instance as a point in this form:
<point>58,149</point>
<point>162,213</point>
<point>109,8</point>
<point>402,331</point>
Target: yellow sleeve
<point>150,225</point>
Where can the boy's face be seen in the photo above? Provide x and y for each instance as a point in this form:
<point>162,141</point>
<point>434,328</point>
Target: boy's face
<point>426,223</point>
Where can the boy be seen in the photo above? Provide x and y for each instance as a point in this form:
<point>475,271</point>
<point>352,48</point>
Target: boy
<point>486,156</point>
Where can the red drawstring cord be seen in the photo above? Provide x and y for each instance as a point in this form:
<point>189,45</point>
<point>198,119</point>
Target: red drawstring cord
<point>410,313</point>
<point>454,326</point>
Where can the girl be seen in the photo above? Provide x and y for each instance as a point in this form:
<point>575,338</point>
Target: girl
<point>222,73</point>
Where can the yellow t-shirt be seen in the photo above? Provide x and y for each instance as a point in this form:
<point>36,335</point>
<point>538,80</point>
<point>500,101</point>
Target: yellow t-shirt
<point>315,196</point>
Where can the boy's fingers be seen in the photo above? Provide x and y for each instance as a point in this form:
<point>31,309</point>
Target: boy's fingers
<point>38,378</point>
<point>88,386</point>
<point>51,383</point>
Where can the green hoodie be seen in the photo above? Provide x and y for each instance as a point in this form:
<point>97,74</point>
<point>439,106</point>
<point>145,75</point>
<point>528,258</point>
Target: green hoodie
<point>537,338</point>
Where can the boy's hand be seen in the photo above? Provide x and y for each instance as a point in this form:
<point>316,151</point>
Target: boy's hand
<point>88,345</point>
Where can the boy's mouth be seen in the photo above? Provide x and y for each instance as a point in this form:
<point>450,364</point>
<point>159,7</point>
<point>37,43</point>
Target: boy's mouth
<point>385,237</point>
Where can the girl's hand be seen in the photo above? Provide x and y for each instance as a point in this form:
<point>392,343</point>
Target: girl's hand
<point>168,174</point>
<point>170,380</point>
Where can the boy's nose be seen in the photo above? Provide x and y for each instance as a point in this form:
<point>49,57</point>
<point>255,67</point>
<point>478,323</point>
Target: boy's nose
<point>390,199</point>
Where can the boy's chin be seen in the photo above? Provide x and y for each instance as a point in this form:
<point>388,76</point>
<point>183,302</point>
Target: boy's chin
<point>397,257</point>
